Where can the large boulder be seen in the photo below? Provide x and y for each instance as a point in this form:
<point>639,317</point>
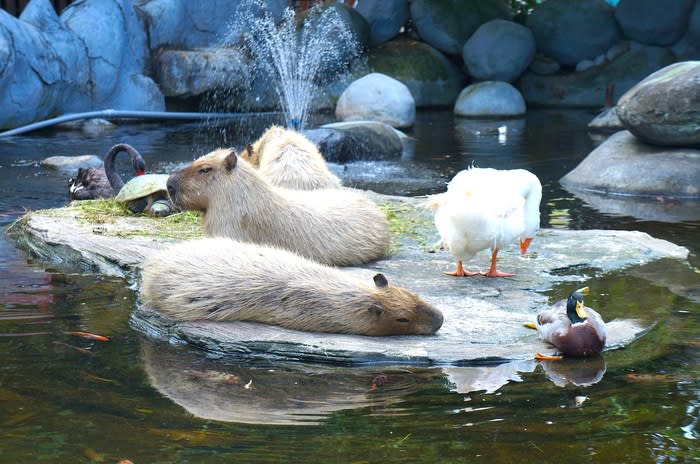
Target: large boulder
<point>653,22</point>
<point>447,24</point>
<point>356,141</point>
<point>490,99</point>
<point>570,31</point>
<point>625,165</point>
<point>377,97</point>
<point>93,57</point>
<point>587,88</point>
<point>187,73</point>
<point>188,25</point>
<point>432,79</point>
<point>385,18</point>
<point>116,43</point>
<point>663,108</point>
<point>499,50</point>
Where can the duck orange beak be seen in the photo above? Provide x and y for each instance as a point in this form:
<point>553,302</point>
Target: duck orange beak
<point>524,244</point>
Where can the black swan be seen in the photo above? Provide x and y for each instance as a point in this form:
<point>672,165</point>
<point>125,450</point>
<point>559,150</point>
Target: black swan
<point>91,183</point>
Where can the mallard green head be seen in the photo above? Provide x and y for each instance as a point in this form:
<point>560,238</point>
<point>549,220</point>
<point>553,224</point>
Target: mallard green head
<point>575,308</point>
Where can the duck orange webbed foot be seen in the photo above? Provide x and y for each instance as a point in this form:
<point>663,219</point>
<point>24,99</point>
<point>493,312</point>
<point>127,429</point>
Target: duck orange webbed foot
<point>494,273</point>
<point>548,357</point>
<point>460,272</point>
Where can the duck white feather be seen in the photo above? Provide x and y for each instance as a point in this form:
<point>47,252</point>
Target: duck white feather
<point>485,208</point>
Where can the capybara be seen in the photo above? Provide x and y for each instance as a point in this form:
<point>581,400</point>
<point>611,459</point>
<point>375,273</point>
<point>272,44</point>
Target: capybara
<point>337,227</point>
<point>220,279</point>
<point>286,158</point>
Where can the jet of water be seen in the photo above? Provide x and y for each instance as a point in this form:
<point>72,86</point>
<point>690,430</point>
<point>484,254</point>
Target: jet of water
<point>297,55</point>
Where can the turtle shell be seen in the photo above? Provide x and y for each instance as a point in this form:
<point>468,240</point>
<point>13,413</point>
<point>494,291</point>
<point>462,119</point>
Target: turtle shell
<point>142,186</point>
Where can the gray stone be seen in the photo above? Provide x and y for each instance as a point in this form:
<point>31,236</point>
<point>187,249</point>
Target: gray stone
<point>625,165</point>
<point>186,73</point>
<point>588,88</point>
<point>606,122</point>
<point>663,108</point>
<point>71,163</point>
<point>499,50</point>
<point>653,22</point>
<point>358,141</point>
<point>116,44</point>
<point>483,319</point>
<point>385,18</point>
<point>377,97</point>
<point>490,99</point>
<point>432,79</point>
<point>200,24</point>
<point>572,30</point>
<point>92,57</point>
<point>447,24</point>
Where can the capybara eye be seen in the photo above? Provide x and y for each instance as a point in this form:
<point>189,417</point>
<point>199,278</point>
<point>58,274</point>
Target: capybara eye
<point>403,320</point>
<point>205,169</point>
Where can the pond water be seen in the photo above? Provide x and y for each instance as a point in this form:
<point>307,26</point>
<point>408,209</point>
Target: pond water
<point>66,398</point>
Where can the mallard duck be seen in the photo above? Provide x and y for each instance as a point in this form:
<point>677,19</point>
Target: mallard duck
<point>105,182</point>
<point>573,328</point>
<point>485,208</point>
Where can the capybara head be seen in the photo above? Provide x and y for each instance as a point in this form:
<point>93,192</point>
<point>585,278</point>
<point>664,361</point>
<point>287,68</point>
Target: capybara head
<point>193,187</point>
<point>401,312</point>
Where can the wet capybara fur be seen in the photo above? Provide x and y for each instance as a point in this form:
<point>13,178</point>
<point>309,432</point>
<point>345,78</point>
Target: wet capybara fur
<point>220,279</point>
<point>337,227</point>
<point>287,158</point>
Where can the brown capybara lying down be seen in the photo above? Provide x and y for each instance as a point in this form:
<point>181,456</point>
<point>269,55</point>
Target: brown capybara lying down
<point>337,227</point>
<point>221,279</point>
<point>286,158</point>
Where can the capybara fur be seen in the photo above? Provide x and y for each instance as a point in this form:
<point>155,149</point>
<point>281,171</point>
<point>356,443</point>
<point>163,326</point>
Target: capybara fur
<point>220,279</point>
<point>286,158</point>
<point>337,227</point>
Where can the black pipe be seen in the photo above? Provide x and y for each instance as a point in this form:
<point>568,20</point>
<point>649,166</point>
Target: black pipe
<point>125,114</point>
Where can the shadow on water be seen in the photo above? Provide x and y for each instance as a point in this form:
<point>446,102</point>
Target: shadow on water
<point>132,398</point>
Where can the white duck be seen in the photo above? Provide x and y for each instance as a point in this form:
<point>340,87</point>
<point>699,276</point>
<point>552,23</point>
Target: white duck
<point>487,208</point>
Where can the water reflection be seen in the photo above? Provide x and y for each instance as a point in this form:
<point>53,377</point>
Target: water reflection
<point>284,394</point>
<point>657,209</point>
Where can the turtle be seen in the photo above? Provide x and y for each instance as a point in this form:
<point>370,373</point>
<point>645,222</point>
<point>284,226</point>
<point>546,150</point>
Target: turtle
<point>147,194</point>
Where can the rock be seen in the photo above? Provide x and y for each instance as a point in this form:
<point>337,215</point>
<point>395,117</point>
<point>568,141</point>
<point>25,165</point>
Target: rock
<point>71,163</point>
<point>93,57</point>
<point>483,323</point>
<point>606,122</point>
<point>190,25</point>
<point>116,43</point>
<point>499,50</point>
<point>571,30</point>
<point>653,22</point>
<point>332,20</point>
<point>588,88</point>
<point>490,99</point>
<point>385,18</point>
<point>688,46</point>
<point>625,165</point>
<point>378,97</point>
<point>347,142</point>
<point>447,24</point>
<point>663,108</point>
<point>432,79</point>
<point>187,73</point>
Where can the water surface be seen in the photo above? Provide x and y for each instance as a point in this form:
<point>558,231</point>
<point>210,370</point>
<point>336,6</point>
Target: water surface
<point>65,398</point>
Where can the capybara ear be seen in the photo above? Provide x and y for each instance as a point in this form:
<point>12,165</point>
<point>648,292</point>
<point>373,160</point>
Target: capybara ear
<point>376,308</point>
<point>231,160</point>
<point>380,281</point>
